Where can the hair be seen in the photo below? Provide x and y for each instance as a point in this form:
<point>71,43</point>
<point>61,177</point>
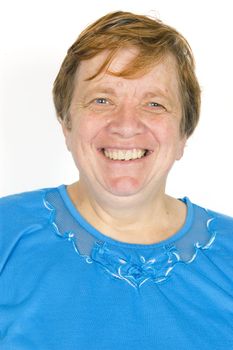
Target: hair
<point>153,39</point>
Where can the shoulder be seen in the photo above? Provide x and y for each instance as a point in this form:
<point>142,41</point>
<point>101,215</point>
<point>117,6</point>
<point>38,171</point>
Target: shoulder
<point>217,226</point>
<point>217,230</point>
<point>221,226</point>
<point>25,211</point>
<point>217,221</point>
<point>21,216</point>
<point>26,205</point>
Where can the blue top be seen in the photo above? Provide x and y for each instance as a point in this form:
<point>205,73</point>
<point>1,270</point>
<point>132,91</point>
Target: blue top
<point>64,285</point>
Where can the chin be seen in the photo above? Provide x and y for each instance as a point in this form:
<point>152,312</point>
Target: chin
<point>124,186</point>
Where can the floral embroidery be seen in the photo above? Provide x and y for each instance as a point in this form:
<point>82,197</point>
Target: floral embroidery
<point>136,273</point>
<point>134,266</point>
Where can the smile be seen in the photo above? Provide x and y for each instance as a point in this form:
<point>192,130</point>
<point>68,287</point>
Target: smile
<point>125,154</point>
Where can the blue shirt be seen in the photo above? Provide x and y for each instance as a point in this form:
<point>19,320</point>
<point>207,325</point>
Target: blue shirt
<point>64,285</point>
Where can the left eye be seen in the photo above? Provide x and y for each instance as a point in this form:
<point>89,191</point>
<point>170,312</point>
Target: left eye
<point>101,101</point>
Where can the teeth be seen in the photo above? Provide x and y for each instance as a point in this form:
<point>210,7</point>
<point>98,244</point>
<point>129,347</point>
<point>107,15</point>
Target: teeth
<point>125,154</point>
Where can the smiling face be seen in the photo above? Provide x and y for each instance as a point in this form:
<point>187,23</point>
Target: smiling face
<point>125,133</point>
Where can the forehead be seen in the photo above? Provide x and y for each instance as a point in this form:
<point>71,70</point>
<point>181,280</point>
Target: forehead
<point>163,74</point>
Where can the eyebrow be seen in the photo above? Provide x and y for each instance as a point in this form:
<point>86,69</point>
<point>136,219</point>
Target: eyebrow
<point>112,91</point>
<point>157,92</point>
<point>102,89</point>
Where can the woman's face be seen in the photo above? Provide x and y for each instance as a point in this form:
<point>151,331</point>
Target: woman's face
<point>125,133</point>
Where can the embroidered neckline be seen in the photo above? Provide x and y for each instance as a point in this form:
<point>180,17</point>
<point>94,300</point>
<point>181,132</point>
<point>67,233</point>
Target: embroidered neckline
<point>100,236</point>
<point>133,263</point>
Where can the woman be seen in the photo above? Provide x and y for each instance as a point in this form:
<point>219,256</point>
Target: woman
<point>112,261</point>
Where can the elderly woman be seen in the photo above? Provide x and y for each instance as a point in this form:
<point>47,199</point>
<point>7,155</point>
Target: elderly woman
<point>111,261</point>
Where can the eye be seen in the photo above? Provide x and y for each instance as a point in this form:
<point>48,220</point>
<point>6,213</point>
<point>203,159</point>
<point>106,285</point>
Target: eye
<point>100,104</point>
<point>101,101</point>
<point>155,104</point>
<point>155,107</point>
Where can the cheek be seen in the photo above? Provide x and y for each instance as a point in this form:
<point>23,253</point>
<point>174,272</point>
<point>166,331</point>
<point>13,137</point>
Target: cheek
<point>84,132</point>
<point>88,125</point>
<point>167,133</point>
<point>165,130</point>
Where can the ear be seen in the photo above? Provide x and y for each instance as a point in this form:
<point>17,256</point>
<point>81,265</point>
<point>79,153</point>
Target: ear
<point>66,133</point>
<point>181,146</point>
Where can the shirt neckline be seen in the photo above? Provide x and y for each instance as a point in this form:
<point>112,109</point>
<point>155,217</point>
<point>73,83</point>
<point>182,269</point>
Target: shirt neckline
<point>102,237</point>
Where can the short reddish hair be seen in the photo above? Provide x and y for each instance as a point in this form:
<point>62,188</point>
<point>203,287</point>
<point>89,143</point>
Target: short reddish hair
<point>153,39</point>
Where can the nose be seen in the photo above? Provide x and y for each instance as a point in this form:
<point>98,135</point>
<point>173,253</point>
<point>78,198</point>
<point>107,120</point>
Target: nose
<point>126,122</point>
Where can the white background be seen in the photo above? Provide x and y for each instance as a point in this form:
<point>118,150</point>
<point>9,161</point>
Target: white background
<point>35,36</point>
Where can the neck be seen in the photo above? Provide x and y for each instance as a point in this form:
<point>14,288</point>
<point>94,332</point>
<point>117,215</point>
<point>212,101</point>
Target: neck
<point>142,220</point>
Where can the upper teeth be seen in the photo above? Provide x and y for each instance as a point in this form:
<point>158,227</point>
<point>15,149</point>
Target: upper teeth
<point>122,154</point>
